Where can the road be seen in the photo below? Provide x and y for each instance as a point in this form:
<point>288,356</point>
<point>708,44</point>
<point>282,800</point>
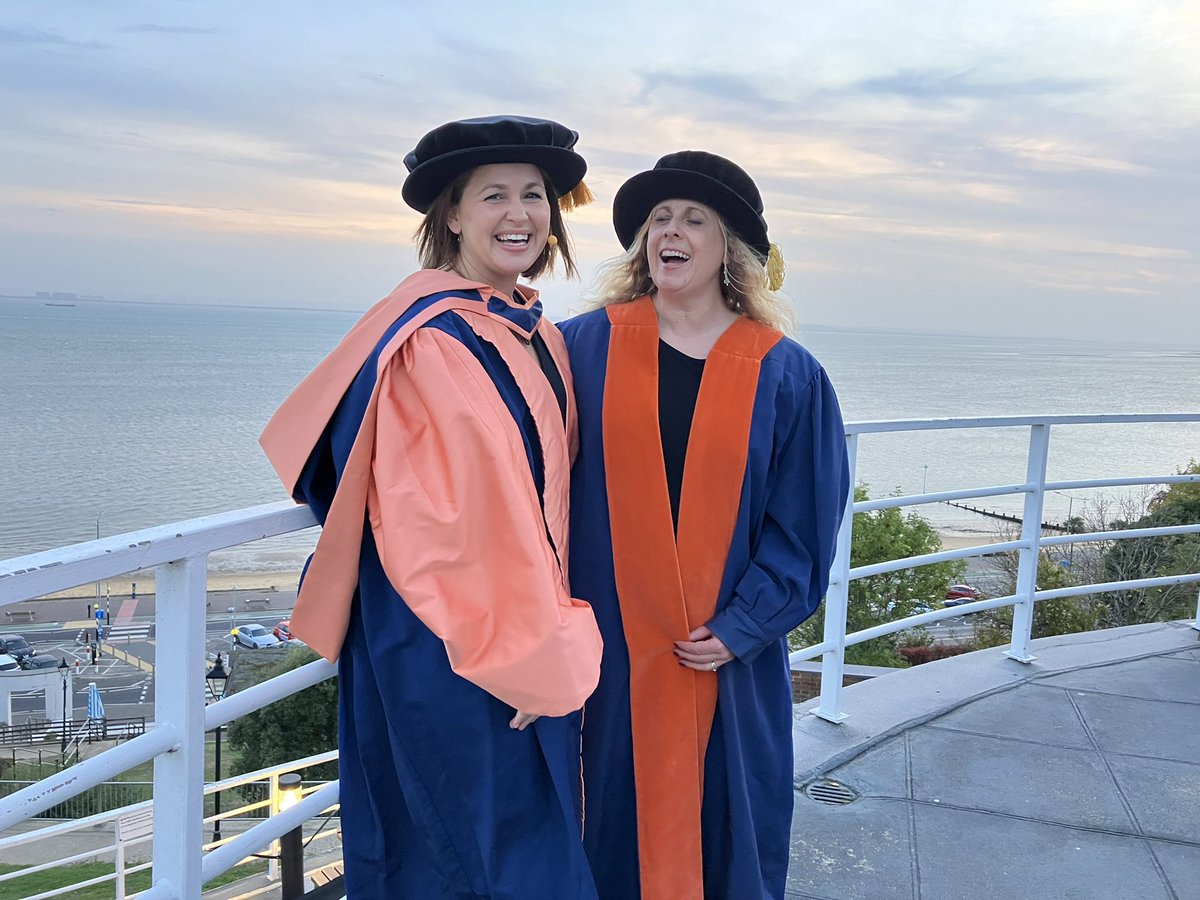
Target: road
<point>124,670</point>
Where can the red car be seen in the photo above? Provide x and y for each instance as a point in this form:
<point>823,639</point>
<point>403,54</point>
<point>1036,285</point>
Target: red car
<point>959,594</point>
<point>283,630</point>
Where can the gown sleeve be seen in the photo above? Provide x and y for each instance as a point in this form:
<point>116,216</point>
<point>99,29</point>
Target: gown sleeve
<point>456,517</point>
<point>789,571</point>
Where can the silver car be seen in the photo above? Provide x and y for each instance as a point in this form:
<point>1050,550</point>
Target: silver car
<point>254,636</point>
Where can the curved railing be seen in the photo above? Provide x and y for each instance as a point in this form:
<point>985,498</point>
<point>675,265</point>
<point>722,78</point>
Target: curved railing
<point>832,649</point>
<point>179,552</point>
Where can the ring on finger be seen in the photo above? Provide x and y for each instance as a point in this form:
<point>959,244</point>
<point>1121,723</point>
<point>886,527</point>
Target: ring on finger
<point>714,667</point>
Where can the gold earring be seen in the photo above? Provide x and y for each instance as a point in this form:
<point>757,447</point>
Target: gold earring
<point>552,241</point>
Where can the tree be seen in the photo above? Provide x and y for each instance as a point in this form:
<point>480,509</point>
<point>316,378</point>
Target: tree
<point>299,725</point>
<point>1062,615</point>
<point>1154,557</point>
<point>878,536</point>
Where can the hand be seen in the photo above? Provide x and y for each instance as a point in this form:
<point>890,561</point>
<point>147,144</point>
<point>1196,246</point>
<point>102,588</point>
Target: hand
<point>703,651</point>
<point>520,720</point>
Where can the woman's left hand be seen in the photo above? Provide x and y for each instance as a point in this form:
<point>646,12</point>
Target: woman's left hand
<point>702,651</point>
<point>522,720</point>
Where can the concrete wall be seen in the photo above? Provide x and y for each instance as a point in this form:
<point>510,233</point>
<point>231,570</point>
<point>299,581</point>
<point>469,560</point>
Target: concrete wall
<point>806,678</point>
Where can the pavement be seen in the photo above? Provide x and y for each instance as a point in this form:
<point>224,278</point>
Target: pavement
<point>1076,776</point>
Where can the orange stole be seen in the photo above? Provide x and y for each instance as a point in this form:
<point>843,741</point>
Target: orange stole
<point>668,586</point>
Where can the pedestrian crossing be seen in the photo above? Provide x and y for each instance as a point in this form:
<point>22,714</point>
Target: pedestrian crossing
<point>120,634</point>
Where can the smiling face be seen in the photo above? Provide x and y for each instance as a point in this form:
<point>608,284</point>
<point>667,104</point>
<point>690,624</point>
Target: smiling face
<point>502,221</point>
<point>685,246</point>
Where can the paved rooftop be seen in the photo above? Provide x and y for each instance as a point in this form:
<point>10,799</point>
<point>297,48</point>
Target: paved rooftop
<point>1077,776</point>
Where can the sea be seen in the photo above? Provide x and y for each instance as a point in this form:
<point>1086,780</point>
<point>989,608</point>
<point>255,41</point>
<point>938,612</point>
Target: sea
<point>119,416</point>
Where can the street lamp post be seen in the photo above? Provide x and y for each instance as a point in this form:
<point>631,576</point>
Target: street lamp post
<point>924,476</point>
<point>1070,525</point>
<point>217,679</point>
<point>98,515</point>
<point>63,671</point>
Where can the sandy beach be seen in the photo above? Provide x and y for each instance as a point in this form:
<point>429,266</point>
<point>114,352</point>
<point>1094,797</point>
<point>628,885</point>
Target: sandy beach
<point>144,582</point>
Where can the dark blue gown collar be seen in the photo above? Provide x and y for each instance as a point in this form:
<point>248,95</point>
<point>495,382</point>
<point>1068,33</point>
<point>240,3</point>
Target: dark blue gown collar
<point>522,318</point>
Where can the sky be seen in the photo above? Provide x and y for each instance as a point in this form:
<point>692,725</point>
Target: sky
<point>1016,168</point>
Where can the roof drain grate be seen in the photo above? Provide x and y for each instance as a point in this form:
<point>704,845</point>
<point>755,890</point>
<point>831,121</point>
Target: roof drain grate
<point>829,792</point>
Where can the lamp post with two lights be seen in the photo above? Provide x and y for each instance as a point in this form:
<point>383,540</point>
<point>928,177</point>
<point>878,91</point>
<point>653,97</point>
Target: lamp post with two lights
<point>64,672</point>
<point>217,679</point>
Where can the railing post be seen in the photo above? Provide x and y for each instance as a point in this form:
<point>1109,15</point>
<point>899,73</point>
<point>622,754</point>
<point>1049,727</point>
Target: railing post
<point>1031,535</point>
<point>179,698</point>
<point>119,860</point>
<point>273,850</point>
<point>1196,622</point>
<point>837,600</point>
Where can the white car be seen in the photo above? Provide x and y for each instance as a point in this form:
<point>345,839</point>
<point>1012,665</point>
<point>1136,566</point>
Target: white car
<point>254,636</point>
<point>8,664</point>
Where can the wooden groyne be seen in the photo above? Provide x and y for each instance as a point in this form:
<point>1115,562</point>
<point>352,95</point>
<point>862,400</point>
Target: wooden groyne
<point>1005,517</point>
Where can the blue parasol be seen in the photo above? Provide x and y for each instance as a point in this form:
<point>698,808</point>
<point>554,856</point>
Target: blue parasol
<point>95,706</point>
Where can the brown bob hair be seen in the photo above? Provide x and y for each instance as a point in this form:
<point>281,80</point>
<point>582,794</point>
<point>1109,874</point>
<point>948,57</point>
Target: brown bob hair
<point>438,246</point>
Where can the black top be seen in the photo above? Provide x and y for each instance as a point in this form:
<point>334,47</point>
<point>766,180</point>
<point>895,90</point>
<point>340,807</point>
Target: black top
<point>678,386</point>
<point>550,370</point>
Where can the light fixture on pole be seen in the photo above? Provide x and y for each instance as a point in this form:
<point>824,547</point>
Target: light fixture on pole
<point>217,679</point>
<point>291,845</point>
<point>98,515</point>
<point>63,671</point>
<point>1071,529</point>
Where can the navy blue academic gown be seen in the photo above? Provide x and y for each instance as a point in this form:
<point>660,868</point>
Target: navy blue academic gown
<point>439,797</point>
<point>792,496</point>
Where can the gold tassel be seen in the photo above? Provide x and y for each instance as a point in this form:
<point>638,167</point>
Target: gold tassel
<point>580,195</point>
<point>775,268</point>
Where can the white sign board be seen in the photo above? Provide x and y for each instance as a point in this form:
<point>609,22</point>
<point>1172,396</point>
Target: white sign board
<point>135,825</point>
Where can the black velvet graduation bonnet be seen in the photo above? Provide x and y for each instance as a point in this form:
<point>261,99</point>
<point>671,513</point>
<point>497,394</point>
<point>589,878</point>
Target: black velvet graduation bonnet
<point>451,149</point>
<point>694,175</point>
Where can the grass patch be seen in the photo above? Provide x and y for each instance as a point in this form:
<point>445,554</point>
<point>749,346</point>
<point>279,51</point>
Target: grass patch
<point>30,885</point>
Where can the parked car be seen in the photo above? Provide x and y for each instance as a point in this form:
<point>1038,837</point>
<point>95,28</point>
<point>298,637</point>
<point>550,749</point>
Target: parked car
<point>16,646</point>
<point>254,636</point>
<point>283,630</point>
<point>8,664</point>
<point>915,608</point>
<point>40,662</point>
<point>958,594</point>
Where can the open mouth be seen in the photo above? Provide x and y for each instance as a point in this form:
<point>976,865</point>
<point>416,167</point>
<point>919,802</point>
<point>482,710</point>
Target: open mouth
<point>670,257</point>
<point>513,239</point>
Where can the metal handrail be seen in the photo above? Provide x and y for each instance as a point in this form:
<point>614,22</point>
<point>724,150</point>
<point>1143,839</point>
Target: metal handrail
<point>1028,546</point>
<point>99,821</point>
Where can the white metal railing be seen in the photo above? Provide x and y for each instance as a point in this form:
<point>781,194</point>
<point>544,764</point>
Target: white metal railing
<point>118,842</point>
<point>832,648</point>
<point>179,554</point>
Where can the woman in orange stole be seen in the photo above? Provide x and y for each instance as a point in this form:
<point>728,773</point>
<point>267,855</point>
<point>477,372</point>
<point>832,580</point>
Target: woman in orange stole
<point>434,446</point>
<point>705,501</point>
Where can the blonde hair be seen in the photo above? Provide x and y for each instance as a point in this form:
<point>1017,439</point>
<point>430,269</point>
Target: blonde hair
<point>626,277</point>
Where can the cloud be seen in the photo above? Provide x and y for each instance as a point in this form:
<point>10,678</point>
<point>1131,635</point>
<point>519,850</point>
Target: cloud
<point>1061,155</point>
<point>36,37</point>
<point>727,89</point>
<point>153,28</point>
<point>937,84</point>
<point>1034,150</point>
